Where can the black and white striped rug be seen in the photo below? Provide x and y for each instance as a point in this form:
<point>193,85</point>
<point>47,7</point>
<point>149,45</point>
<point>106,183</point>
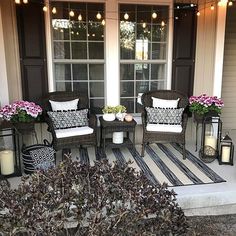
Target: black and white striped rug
<point>161,163</point>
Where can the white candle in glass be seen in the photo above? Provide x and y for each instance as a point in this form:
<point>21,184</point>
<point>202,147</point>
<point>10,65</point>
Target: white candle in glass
<point>7,162</point>
<point>210,141</point>
<point>225,154</point>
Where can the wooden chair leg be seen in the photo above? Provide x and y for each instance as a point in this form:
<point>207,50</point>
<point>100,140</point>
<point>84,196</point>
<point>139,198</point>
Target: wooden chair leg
<point>184,152</point>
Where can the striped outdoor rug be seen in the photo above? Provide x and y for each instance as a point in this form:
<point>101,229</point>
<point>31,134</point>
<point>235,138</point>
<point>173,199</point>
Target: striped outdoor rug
<point>161,163</point>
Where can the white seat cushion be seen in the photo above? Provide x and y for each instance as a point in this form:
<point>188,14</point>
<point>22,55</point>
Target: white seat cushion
<point>64,133</point>
<point>164,128</point>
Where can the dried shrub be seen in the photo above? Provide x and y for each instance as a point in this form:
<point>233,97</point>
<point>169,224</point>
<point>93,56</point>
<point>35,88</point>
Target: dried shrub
<point>92,200</point>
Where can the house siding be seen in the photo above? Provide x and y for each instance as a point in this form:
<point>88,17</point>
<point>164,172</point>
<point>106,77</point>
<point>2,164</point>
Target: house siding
<point>229,71</point>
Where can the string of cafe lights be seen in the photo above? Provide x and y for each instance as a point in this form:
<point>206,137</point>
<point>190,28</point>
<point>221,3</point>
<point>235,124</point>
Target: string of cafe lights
<point>126,15</point>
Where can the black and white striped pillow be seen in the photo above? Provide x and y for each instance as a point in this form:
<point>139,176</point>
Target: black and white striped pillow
<point>69,119</point>
<point>171,116</point>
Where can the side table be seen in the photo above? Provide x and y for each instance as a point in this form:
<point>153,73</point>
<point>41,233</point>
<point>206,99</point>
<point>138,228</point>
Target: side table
<point>108,127</point>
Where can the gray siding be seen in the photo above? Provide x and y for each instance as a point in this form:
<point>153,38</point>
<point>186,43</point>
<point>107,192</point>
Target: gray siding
<point>229,71</point>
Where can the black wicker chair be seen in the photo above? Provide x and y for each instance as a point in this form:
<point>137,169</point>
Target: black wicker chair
<point>151,136</point>
<point>65,144</point>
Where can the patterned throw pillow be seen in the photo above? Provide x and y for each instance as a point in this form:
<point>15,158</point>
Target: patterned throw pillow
<point>171,116</point>
<point>69,119</point>
<point>43,158</point>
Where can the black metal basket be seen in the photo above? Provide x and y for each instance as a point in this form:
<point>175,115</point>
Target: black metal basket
<point>27,159</point>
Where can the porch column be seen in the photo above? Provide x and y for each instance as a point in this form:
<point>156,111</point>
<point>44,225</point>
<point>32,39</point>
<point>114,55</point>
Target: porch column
<point>219,49</point>
<point>112,88</point>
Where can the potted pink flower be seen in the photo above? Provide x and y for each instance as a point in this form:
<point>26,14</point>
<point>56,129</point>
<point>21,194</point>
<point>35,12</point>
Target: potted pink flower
<point>203,104</point>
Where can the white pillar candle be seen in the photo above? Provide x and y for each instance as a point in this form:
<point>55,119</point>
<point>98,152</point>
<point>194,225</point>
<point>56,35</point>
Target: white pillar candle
<point>117,137</point>
<point>7,162</point>
<point>210,141</point>
<point>225,154</point>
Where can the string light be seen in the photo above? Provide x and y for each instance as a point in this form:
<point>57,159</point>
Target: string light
<point>191,5</point>
<point>45,9</point>
<point>154,15</point>
<point>230,3</point>
<point>144,25</point>
<point>54,10</point>
<point>162,23</point>
<point>99,16</point>
<point>17,1</point>
<point>103,22</point>
<point>212,7</point>
<point>198,13</point>
<point>25,1</point>
<point>71,13</point>
<point>126,16</point>
<point>80,18</point>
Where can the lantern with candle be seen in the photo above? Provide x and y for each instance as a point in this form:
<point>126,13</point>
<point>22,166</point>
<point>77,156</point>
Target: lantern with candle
<point>226,151</point>
<point>211,133</point>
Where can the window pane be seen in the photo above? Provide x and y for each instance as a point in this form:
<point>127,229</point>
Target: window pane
<point>127,72</point>
<point>141,87</point>
<point>96,31</point>
<point>80,72</point>
<point>81,87</point>
<point>142,71</point>
<point>159,33</point>
<point>144,13</point>
<point>142,49</point>
<point>158,51</point>
<point>97,105</point>
<point>127,89</point>
<point>96,50</point>
<point>62,71</point>
<point>63,86</point>
<point>96,72</point>
<point>96,89</point>
<point>128,103</point>
<point>79,29</point>
<point>127,40</point>
<point>144,31</point>
<point>158,85</point>
<point>158,72</point>
<point>79,50</point>
<point>61,50</point>
<point>60,34</point>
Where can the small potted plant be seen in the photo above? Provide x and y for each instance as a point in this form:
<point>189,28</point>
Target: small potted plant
<point>109,113</point>
<point>120,112</point>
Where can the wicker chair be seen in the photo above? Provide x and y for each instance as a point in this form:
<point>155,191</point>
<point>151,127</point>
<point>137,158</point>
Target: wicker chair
<point>151,136</point>
<point>65,144</point>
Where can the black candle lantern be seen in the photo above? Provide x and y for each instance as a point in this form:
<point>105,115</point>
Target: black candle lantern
<point>226,151</point>
<point>211,133</point>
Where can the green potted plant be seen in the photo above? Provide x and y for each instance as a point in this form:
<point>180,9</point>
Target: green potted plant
<point>120,112</point>
<point>109,113</point>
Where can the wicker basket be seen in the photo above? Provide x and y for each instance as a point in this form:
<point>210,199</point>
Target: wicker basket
<point>27,159</point>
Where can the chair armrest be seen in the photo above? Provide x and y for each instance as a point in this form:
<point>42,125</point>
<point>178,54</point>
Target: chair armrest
<point>144,119</point>
<point>92,121</point>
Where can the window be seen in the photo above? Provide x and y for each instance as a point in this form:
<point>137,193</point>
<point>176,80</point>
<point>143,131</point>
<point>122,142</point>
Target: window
<point>143,51</point>
<point>78,46</point>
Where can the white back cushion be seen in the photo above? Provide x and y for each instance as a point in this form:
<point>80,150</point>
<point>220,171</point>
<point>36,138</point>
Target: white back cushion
<point>163,103</point>
<point>64,106</point>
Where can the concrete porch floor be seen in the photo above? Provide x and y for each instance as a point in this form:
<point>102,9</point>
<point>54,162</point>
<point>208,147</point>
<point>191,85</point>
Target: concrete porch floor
<point>205,199</point>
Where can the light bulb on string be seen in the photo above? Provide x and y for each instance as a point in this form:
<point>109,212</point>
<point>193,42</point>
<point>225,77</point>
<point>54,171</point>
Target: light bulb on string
<point>25,1</point>
<point>17,1</point>
<point>103,22</point>
<point>71,13</point>
<point>144,25</point>
<point>99,16</point>
<point>212,7</point>
<point>80,18</point>
<point>54,10</point>
<point>45,9</point>
<point>230,3</point>
<point>154,15</point>
<point>126,16</point>
<point>162,23</point>
<point>198,13</point>
<point>191,5</point>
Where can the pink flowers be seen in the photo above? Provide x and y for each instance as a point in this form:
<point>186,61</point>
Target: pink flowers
<point>203,104</point>
<point>21,111</point>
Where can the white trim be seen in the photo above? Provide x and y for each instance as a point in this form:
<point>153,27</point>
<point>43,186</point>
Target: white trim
<point>219,50</point>
<point>170,46</point>
<point>4,95</point>
<point>48,35</point>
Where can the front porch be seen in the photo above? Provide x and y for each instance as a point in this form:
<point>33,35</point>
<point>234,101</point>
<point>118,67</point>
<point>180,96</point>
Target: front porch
<point>203,199</point>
